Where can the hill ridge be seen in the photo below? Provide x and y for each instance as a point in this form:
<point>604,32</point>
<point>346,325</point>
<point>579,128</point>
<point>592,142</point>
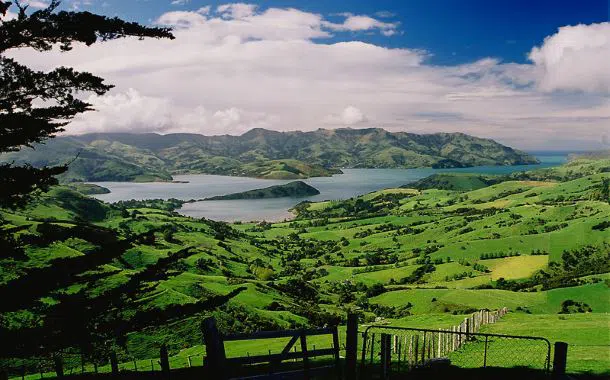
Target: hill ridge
<point>262,153</point>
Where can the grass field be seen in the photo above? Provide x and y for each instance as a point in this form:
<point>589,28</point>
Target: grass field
<point>149,275</point>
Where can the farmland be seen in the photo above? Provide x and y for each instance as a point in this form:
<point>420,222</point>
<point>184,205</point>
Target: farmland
<point>137,274</point>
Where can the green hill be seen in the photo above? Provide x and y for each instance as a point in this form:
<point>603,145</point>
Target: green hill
<point>133,275</point>
<point>292,189</point>
<point>454,181</point>
<point>261,153</point>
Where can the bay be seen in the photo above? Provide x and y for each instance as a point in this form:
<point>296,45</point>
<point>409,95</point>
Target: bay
<point>352,182</point>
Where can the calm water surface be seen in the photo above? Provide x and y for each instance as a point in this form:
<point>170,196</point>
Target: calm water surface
<point>342,186</point>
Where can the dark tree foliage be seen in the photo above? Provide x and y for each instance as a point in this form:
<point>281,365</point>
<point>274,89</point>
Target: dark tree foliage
<point>23,124</point>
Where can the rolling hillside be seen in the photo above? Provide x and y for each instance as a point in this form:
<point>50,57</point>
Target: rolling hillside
<point>134,274</point>
<point>261,153</point>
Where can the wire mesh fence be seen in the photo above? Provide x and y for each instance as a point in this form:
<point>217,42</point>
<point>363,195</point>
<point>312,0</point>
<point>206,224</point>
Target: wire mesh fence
<point>402,349</point>
<point>72,362</point>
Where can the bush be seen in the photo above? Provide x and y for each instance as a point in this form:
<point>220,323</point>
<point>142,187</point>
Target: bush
<point>572,307</point>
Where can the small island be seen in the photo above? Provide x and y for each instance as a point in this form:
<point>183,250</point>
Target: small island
<point>88,188</point>
<point>292,189</point>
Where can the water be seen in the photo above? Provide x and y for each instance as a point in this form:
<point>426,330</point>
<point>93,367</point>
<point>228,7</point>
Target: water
<point>351,183</point>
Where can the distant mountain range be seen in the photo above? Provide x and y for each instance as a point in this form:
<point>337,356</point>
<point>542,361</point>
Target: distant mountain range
<point>261,153</point>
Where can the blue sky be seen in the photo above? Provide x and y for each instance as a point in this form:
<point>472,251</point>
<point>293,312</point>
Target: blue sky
<point>452,31</point>
<point>530,74</point>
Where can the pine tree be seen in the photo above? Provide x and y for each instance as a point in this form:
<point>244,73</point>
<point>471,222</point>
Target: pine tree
<point>22,124</point>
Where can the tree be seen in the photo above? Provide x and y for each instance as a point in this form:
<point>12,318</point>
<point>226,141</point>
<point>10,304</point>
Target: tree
<point>22,124</point>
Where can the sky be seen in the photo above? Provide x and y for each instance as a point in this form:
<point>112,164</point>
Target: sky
<point>534,75</point>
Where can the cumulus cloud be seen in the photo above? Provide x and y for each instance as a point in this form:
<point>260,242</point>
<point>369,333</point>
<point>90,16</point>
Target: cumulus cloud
<point>236,10</point>
<point>576,58</point>
<point>352,115</point>
<point>238,67</point>
<point>130,111</point>
<point>356,23</point>
<point>127,111</point>
<point>349,116</point>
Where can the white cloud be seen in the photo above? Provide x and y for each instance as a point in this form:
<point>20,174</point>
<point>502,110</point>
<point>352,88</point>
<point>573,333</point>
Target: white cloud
<point>35,4</point>
<point>130,111</point>
<point>576,58</point>
<point>236,10</point>
<point>78,4</point>
<point>180,2</point>
<point>352,115</point>
<point>357,23</point>
<point>204,10</point>
<point>349,116</point>
<point>242,68</point>
<point>8,16</point>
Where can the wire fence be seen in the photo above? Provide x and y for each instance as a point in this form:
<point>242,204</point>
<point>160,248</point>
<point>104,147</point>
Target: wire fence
<point>403,349</point>
<point>72,362</point>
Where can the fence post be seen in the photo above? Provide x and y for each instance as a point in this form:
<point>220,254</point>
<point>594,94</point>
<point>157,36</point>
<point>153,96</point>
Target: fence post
<point>82,361</point>
<point>114,363</point>
<point>386,355</point>
<point>59,365</point>
<point>411,339</point>
<point>305,352</point>
<point>215,348</point>
<point>351,342</point>
<point>560,359</point>
<point>164,361</point>
<point>337,347</point>
<point>439,347</point>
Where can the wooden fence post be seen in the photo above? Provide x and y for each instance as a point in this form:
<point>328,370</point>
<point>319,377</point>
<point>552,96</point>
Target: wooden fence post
<point>114,364</point>
<point>82,361</point>
<point>411,339</point>
<point>423,351</point>
<point>215,349</point>
<point>164,361</point>
<point>416,350</point>
<point>351,343</point>
<point>305,352</point>
<point>439,347</point>
<point>560,359</point>
<point>386,355</point>
<point>59,365</point>
<point>336,347</point>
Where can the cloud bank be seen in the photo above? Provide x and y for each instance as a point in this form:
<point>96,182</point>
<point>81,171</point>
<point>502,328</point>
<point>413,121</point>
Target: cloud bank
<point>236,67</point>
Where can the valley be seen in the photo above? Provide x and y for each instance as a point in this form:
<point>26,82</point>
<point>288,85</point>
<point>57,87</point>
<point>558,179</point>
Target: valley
<point>409,257</point>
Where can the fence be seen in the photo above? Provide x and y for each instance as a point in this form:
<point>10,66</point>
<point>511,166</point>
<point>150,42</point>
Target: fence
<point>72,362</point>
<point>271,365</point>
<point>397,349</point>
<point>385,350</point>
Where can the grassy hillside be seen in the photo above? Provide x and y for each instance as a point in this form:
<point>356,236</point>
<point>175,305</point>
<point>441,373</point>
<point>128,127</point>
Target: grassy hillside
<point>455,181</point>
<point>133,275</point>
<point>261,153</point>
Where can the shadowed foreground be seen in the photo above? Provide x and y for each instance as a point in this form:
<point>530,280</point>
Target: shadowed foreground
<point>450,372</point>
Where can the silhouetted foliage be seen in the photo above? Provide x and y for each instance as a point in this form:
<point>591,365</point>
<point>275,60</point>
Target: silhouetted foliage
<point>21,123</point>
